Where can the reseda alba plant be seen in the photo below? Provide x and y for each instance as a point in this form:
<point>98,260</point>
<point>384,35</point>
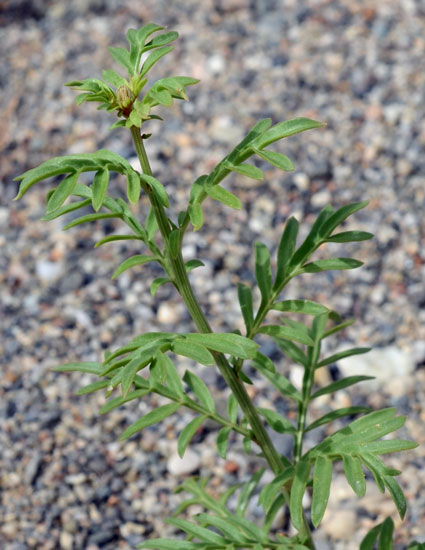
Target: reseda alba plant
<point>358,444</point>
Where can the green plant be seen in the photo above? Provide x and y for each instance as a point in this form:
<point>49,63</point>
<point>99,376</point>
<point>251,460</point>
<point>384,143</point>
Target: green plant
<point>358,445</point>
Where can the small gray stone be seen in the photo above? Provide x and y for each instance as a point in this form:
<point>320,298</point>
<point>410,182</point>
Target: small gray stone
<point>32,469</point>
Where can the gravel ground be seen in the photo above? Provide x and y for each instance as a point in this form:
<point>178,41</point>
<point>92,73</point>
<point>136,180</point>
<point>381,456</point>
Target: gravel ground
<point>65,482</point>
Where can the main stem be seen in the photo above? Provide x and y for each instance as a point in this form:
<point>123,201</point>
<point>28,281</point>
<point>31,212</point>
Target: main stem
<point>184,287</point>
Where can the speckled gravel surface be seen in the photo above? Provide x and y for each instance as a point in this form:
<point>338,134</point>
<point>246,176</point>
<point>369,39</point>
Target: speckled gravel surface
<point>65,481</point>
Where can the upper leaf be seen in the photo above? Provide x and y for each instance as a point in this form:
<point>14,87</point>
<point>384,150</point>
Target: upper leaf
<point>286,129</point>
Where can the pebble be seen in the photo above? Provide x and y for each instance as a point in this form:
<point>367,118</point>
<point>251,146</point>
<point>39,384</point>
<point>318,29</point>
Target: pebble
<point>190,462</point>
<point>48,271</point>
<point>340,524</point>
<point>33,468</point>
<point>168,313</point>
<point>66,541</point>
<point>383,363</point>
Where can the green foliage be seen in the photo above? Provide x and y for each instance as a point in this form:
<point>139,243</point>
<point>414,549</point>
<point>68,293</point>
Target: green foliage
<point>231,528</point>
<point>358,445</point>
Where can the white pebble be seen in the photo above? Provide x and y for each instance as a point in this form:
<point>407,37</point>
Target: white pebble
<point>383,363</point>
<point>167,313</point>
<point>340,524</point>
<point>66,541</point>
<point>180,466</point>
<point>48,271</point>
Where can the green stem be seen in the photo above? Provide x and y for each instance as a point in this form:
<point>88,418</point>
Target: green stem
<point>183,285</point>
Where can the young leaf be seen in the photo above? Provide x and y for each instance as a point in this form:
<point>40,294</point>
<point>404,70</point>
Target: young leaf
<point>249,528</point>
<point>122,57</point>
<point>156,283</point>
<point>223,441</point>
<point>286,129</point>
<point>269,491</point>
<point>331,264</point>
<point>312,240</point>
<point>196,216</point>
<point>338,328</point>
<point>173,379</point>
<point>279,381</point>
<point>302,472</point>
<point>247,170</point>
<point>151,224</point>
<point>114,78</point>
<point>140,359</point>
<point>246,443</point>
<point>333,415</point>
<point>307,307</point>
<point>118,124</point>
<point>368,543</point>
<point>199,532</point>
<point>339,216</point>
<point>100,384</point>
<point>286,249</point>
<point>322,478</point>
<point>396,494</point>
<point>256,131</point>
<point>354,473</point>
<point>193,264</point>
<point>386,535</point>
<point>158,189</point>
<point>133,186</point>
<point>389,446</point>
<point>99,188</point>
<point>120,400</point>
<point>161,40</point>
<point>113,238</point>
<point>157,368</point>
<point>138,259</point>
<point>264,361</point>
<point>349,237</point>
<point>62,192</point>
<point>174,242</point>
<point>169,544</point>
<point>193,351</point>
<point>340,384</point>
<point>89,367</point>
<point>187,434</point>
<point>153,58</point>
<point>375,467</point>
<point>91,218</point>
<point>245,301</point>
<point>200,389</point>
<point>287,333</point>
<point>65,210</point>
<point>263,271</point>
<point>276,506</point>
<point>233,344</point>
<point>232,408</point>
<point>197,189</point>
<point>226,197</point>
<point>293,351</point>
<point>276,159</point>
<point>223,525</point>
<point>340,355</point>
<point>247,492</point>
<point>163,97</point>
<point>153,417</point>
<point>276,421</point>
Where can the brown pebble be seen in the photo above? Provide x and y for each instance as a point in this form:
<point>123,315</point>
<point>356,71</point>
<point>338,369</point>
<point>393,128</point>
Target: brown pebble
<point>112,501</point>
<point>231,466</point>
